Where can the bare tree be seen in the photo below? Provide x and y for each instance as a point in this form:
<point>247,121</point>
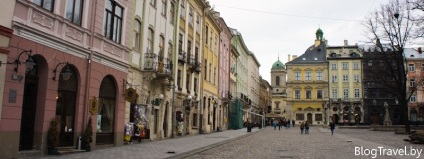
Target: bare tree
<point>418,6</point>
<point>390,29</point>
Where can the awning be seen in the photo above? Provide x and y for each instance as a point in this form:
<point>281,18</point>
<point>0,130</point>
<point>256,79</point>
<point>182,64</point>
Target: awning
<point>273,115</point>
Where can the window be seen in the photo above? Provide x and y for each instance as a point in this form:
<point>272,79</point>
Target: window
<point>113,21</point>
<point>180,44</point>
<point>189,51</point>
<point>46,4</point>
<point>318,117</point>
<point>412,99</point>
<point>179,79</point>
<point>137,33</point>
<point>345,93</point>
<point>210,71</point>
<point>319,76</point>
<point>195,85</point>
<point>150,41</point>
<point>164,5</point>
<point>334,66</point>
<point>214,75</point>
<point>74,11</point>
<point>188,82</point>
<point>172,13</point>
<point>153,3</point>
<point>356,93</point>
<point>182,13</point>
<point>297,94</point>
<point>308,94</point>
<point>297,76</point>
<point>206,37</point>
<point>300,117</point>
<point>345,78</point>
<point>356,78</point>
<point>411,67</point>
<point>277,80</point>
<point>345,66</point>
<point>334,93</point>
<point>161,46</point>
<point>190,16</point>
<point>308,76</point>
<point>370,63</point>
<point>194,120</point>
<point>356,66</point>
<point>206,68</point>
<point>197,23</point>
<point>334,78</point>
<point>319,94</point>
<point>412,83</point>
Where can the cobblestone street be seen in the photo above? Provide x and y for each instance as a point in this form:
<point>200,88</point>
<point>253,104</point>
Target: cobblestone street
<point>289,143</point>
<point>260,144</point>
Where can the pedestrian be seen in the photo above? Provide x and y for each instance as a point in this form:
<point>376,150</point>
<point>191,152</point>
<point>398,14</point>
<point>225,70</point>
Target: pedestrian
<point>288,123</point>
<point>279,124</point>
<point>332,127</point>
<point>275,124</point>
<point>306,128</point>
<point>293,123</point>
<point>302,126</point>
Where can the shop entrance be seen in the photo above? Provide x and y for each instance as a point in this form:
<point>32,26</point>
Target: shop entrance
<point>65,106</point>
<point>29,109</point>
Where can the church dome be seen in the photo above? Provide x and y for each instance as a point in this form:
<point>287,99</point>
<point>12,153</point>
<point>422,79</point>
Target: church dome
<point>278,65</point>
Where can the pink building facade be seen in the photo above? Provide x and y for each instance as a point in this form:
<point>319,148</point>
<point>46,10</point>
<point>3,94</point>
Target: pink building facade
<point>78,51</point>
<point>224,72</point>
<point>415,65</point>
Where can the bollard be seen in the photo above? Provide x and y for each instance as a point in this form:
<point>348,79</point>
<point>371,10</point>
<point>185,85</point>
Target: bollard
<point>79,142</point>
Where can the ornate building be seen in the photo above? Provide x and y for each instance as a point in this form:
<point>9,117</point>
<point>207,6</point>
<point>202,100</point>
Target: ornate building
<point>345,85</point>
<point>279,90</point>
<point>307,83</point>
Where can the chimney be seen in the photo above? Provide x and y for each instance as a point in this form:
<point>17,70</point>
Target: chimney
<point>345,43</point>
<point>419,50</point>
<point>288,59</point>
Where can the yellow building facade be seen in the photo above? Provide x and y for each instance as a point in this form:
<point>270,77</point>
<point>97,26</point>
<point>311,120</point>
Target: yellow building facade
<point>210,67</point>
<point>307,83</point>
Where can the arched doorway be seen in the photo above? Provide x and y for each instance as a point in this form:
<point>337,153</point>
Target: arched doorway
<point>165,120</point>
<point>65,106</point>
<point>106,112</point>
<point>29,103</point>
<point>413,115</point>
<point>375,117</point>
<point>309,118</point>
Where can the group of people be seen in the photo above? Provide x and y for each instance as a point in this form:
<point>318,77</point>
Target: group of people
<point>305,126</point>
<point>281,122</point>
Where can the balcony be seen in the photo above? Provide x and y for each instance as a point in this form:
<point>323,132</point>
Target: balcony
<point>195,66</point>
<point>182,57</point>
<point>158,64</point>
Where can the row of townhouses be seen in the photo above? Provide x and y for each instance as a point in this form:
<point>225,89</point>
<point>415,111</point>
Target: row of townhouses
<point>338,84</point>
<point>166,68</point>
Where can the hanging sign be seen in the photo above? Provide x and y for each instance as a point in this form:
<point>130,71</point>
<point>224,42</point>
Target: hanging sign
<point>130,94</point>
<point>94,105</point>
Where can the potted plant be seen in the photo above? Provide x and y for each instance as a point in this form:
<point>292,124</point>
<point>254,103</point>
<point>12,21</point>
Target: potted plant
<point>53,138</point>
<point>87,136</point>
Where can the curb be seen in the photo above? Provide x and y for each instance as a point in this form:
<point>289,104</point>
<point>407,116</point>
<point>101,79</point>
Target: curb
<point>208,147</point>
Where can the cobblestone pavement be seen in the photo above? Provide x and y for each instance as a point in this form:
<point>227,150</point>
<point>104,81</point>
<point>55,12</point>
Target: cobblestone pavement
<point>260,144</point>
<point>319,143</point>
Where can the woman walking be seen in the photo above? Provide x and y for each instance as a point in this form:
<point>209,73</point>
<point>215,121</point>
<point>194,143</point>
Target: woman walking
<point>302,126</point>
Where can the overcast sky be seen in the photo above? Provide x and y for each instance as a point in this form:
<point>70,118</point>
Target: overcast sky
<point>272,27</point>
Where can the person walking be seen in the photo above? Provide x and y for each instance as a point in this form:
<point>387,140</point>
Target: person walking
<point>306,128</point>
<point>302,126</point>
<point>288,123</point>
<point>275,124</point>
<point>293,123</point>
<point>332,127</point>
<point>279,124</point>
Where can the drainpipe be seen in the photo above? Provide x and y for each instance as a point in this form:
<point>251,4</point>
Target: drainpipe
<point>90,57</point>
<point>174,65</point>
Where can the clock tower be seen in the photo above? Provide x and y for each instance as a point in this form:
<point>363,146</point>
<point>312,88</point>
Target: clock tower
<point>278,84</point>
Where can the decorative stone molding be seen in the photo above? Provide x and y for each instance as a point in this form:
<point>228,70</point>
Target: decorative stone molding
<point>42,20</point>
<point>110,48</point>
<point>73,33</point>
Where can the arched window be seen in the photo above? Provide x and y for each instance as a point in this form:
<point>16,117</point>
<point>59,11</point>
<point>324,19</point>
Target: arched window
<point>277,80</point>
<point>137,33</point>
<point>150,41</point>
<point>106,111</point>
<point>161,46</point>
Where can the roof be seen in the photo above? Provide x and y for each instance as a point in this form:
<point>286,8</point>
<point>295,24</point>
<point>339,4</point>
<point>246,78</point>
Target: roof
<point>412,53</point>
<point>278,65</point>
<point>312,55</point>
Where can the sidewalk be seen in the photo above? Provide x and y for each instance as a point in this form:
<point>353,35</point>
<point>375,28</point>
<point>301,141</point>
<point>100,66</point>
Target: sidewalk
<point>182,146</point>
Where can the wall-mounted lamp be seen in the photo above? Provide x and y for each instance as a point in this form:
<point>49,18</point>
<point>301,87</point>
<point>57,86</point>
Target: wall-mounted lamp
<point>29,62</point>
<point>157,100</point>
<point>66,74</point>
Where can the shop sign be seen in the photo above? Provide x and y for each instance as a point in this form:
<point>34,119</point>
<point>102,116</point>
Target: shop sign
<point>94,105</point>
<point>130,94</point>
